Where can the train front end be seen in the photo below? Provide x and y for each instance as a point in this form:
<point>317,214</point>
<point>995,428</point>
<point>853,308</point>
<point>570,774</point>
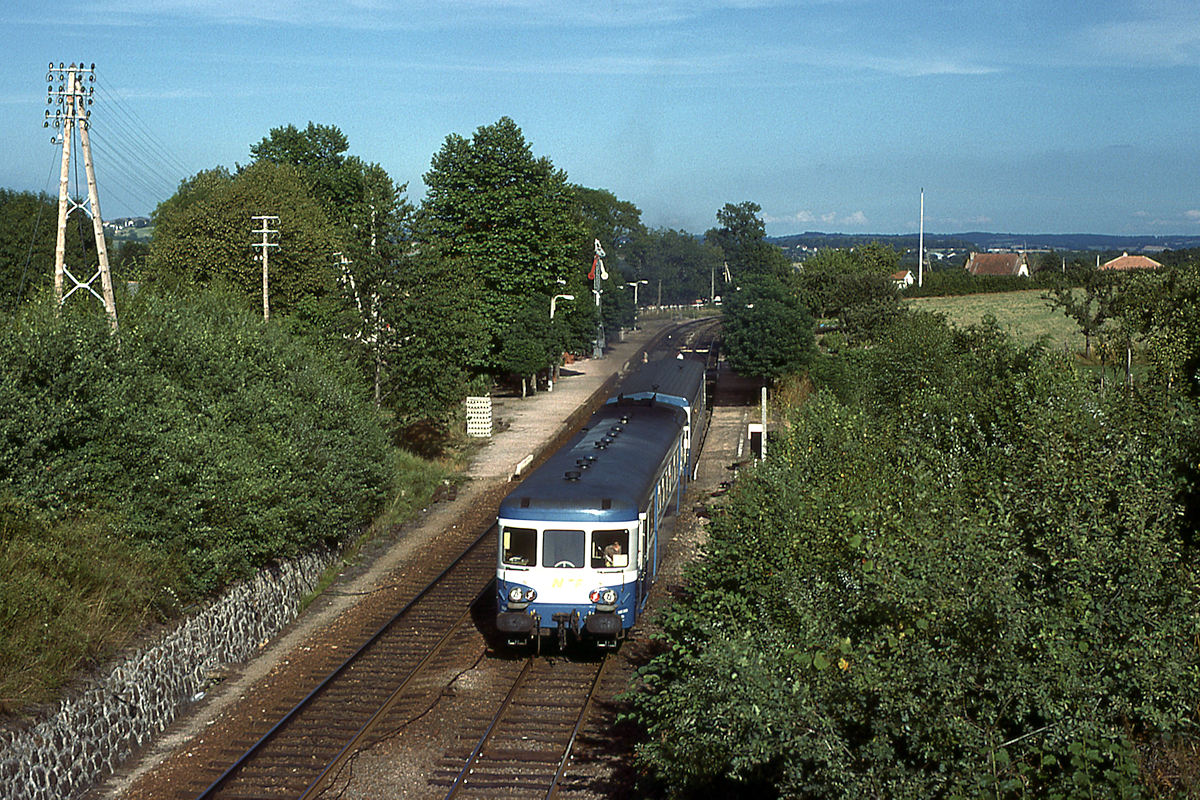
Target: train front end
<point>578,539</point>
<point>566,579</point>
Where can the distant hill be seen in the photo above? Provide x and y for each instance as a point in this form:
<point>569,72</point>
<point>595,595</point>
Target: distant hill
<point>977,240</point>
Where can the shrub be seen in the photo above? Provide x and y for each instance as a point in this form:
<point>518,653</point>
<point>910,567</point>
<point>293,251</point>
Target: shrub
<point>970,581</point>
<point>199,431</point>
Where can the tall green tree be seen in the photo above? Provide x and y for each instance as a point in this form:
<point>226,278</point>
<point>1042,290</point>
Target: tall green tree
<point>359,198</point>
<point>28,233</point>
<point>203,235</point>
<point>507,214</point>
<point>768,332</point>
<point>742,237</point>
<point>432,338</point>
<point>678,266</point>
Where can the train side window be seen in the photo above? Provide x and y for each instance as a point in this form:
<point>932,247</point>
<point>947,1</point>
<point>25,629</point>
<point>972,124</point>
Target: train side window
<point>610,549</point>
<point>519,546</point>
<point>563,549</point>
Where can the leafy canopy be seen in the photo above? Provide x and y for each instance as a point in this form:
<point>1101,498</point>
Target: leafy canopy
<point>509,216</point>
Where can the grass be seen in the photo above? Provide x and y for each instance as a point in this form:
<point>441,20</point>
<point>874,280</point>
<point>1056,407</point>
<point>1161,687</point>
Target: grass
<point>73,592</point>
<point>1023,315</point>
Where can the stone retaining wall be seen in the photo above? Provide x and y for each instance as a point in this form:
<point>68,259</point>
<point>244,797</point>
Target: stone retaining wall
<point>97,728</point>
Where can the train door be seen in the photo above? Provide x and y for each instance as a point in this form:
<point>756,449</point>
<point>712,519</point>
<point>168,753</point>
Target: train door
<point>641,561</point>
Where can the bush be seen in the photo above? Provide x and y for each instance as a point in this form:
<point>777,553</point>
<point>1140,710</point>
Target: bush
<point>970,581</point>
<point>198,431</point>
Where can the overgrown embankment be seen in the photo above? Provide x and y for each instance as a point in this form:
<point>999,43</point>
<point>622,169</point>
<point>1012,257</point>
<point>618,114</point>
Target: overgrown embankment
<point>142,471</point>
<point>964,572</point>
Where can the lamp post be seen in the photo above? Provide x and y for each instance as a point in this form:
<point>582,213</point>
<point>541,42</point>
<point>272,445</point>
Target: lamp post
<point>554,300</point>
<point>635,285</point>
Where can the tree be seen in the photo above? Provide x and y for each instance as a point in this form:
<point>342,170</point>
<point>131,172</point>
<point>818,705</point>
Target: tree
<point>678,266</point>
<point>852,286</point>
<point>742,238</point>
<point>876,258</point>
<point>359,199</point>
<point>768,332</point>
<point>510,216</point>
<point>614,222</point>
<point>1091,309</point>
<point>528,345</point>
<point>1163,310</point>
<point>203,234</point>
<point>28,233</point>
<point>434,337</point>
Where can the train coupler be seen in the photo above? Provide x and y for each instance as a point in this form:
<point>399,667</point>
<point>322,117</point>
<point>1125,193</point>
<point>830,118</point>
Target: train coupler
<point>565,621</point>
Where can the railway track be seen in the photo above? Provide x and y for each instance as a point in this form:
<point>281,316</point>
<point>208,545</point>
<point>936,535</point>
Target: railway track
<point>400,669</point>
<point>522,749</point>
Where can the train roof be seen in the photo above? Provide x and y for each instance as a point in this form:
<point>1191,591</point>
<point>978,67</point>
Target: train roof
<point>623,448</point>
<point>676,381</point>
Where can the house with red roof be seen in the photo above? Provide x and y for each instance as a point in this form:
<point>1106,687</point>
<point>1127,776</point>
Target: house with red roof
<point>903,279</point>
<point>1126,261</point>
<point>998,264</point>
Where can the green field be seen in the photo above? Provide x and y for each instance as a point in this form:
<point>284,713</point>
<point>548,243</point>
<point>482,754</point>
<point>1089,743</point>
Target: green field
<point>1024,315</point>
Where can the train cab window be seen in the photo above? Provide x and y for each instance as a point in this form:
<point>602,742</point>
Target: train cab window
<point>610,549</point>
<point>563,549</point>
<point>519,546</point>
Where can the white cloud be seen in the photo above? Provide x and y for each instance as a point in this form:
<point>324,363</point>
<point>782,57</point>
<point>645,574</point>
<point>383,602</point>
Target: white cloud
<point>1167,34</point>
<point>828,218</point>
<point>422,14</point>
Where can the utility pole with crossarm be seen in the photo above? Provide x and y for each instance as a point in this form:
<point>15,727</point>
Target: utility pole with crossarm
<point>70,101</point>
<point>266,244</point>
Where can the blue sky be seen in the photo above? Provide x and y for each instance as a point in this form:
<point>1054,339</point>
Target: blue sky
<point>832,115</point>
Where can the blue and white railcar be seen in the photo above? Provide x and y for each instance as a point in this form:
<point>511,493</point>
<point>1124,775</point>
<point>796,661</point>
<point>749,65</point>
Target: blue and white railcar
<point>578,538</point>
<point>677,382</point>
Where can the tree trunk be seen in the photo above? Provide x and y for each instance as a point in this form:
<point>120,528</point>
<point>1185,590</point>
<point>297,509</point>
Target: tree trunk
<point>378,379</point>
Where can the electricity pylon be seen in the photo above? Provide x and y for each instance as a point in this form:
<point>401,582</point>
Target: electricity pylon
<point>70,101</point>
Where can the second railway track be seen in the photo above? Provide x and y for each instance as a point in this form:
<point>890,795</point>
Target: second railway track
<point>398,665</point>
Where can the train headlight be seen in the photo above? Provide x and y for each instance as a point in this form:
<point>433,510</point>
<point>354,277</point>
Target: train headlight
<point>603,597</point>
<point>521,594</point>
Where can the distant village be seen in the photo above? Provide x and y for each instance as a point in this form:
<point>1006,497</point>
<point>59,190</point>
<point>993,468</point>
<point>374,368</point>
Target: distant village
<point>123,227</point>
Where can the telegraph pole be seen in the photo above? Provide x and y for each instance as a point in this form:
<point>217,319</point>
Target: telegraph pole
<point>266,244</point>
<point>921,245</point>
<point>70,101</point>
